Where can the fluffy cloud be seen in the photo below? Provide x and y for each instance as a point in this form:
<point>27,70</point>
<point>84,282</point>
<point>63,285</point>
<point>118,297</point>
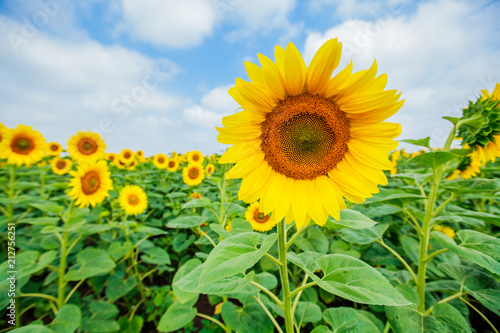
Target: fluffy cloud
<point>169,23</point>
<point>438,56</point>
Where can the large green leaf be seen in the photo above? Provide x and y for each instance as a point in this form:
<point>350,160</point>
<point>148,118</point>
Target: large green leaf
<point>156,256</point>
<point>184,222</point>
<point>346,277</point>
<point>364,236</point>
<point>434,159</point>
<point>307,312</point>
<point>118,286</point>
<point>189,266</point>
<point>204,202</point>
<point>477,185</point>
<point>176,317</point>
<point>32,329</point>
<point>394,197</point>
<point>479,248</point>
<point>48,206</point>
<point>313,240</point>
<point>444,318</point>
<point>347,320</point>
<point>102,318</point>
<point>490,218</point>
<point>248,319</point>
<point>235,255</point>
<point>68,319</point>
<point>350,219</point>
<point>91,262</point>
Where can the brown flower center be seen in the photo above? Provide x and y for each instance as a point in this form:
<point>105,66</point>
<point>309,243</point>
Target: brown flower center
<point>127,155</point>
<point>133,200</point>
<point>61,164</point>
<point>87,146</point>
<point>54,147</point>
<point>193,173</point>
<point>196,157</point>
<point>90,182</point>
<point>260,217</point>
<point>111,158</point>
<point>161,160</point>
<point>305,136</point>
<point>171,164</point>
<point>22,145</point>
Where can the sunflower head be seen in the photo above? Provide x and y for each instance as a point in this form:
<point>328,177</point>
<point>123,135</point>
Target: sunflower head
<point>305,140</point>
<point>195,157</point>
<point>173,164</point>
<point>446,230</point>
<point>91,184</point>
<point>60,166</point>
<point>112,157</point>
<point>480,122</point>
<point>193,174</point>
<point>126,156</point>
<point>3,129</point>
<point>209,169</point>
<point>54,149</point>
<point>86,147</point>
<point>195,195</point>
<point>133,200</point>
<point>259,221</point>
<point>161,161</point>
<point>22,145</point>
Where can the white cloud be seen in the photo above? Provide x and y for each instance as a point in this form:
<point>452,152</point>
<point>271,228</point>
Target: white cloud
<point>169,23</point>
<point>218,99</point>
<point>438,56</point>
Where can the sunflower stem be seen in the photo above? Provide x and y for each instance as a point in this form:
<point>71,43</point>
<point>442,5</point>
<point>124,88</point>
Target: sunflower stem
<point>284,276</point>
<point>61,299</point>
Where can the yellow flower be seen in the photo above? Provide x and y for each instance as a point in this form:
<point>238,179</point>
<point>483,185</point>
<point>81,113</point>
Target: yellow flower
<point>446,230</point>
<point>305,140</point>
<point>86,147</point>
<point>194,157</point>
<point>22,145</point>
<point>472,169</point>
<point>209,169</point>
<point>91,184</point>
<point>195,195</point>
<point>54,149</point>
<point>404,153</point>
<point>228,226</point>
<point>3,129</point>
<point>259,221</point>
<point>60,166</point>
<point>133,200</point>
<point>126,156</point>
<point>140,156</point>
<point>454,175</point>
<point>132,165</point>
<point>193,174</point>
<point>218,308</point>
<point>112,157</point>
<point>160,161</point>
<point>173,164</point>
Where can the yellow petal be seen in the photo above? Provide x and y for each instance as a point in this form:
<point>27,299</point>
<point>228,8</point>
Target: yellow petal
<point>329,195</point>
<point>285,201</point>
<point>323,64</point>
<point>366,155</point>
<point>240,150</point>
<point>316,210</point>
<point>376,115</point>
<point>361,83</point>
<point>231,137</point>
<point>274,193</point>
<point>245,166</point>
<point>374,174</point>
<point>300,202</point>
<point>379,130</point>
<point>255,94</point>
<point>254,181</point>
<point>338,82</point>
<point>243,118</point>
<point>255,73</point>
<point>279,58</point>
<point>295,71</point>
<point>273,76</point>
<point>367,102</point>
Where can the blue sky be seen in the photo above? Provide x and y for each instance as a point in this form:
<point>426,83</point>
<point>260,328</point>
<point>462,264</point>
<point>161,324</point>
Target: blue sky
<point>154,74</point>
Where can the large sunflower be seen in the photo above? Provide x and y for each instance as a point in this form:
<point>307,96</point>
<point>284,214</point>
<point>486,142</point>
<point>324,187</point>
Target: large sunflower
<point>259,221</point>
<point>86,147</point>
<point>91,184</point>
<point>305,140</point>
<point>22,145</point>
<point>133,200</point>
<point>60,166</point>
<point>193,174</point>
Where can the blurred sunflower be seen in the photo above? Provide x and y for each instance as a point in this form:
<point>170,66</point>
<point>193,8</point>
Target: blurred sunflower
<point>446,230</point>
<point>133,200</point>
<point>60,166</point>
<point>86,147</point>
<point>173,164</point>
<point>126,156</point>
<point>140,156</point>
<point>132,165</point>
<point>209,169</point>
<point>305,140</point>
<point>160,161</point>
<point>3,129</point>
<point>394,159</point>
<point>91,184</point>
<point>22,145</point>
<point>54,149</point>
<point>195,157</point>
<point>112,157</point>
<point>193,174</point>
<point>195,195</point>
<point>259,221</point>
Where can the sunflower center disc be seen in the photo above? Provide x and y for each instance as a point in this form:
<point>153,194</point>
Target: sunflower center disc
<point>22,145</point>
<point>53,148</point>
<point>90,182</point>
<point>171,164</point>
<point>305,136</point>
<point>60,165</point>
<point>127,155</point>
<point>133,200</point>
<point>87,146</point>
<point>260,217</point>
<point>193,173</point>
<point>161,160</point>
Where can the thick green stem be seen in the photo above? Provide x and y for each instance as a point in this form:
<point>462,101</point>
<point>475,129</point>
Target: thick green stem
<point>284,277</point>
<point>62,271</point>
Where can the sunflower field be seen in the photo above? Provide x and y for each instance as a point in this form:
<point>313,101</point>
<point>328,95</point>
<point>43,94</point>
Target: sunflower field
<point>313,220</point>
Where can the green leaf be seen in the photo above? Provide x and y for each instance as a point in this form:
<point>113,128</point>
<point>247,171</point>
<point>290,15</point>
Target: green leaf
<point>118,249</point>
<point>477,185</point>
<point>184,222</point>
<point>419,142</point>
<point>32,329</point>
<point>48,207</point>
<point>350,219</point>
<point>248,319</point>
<point>181,242</point>
<point>461,152</point>
<point>68,319</point>
<point>433,159</point>
<point>156,256</point>
<point>314,240</point>
<point>479,248</point>
<point>321,329</point>
<point>445,318</point>
<point>235,255</point>
<point>394,197</point>
<point>150,231</point>
<point>347,320</point>
<point>453,120</point>
<point>307,312</point>
<point>131,326</point>
<point>346,277</point>
<point>90,228</point>
<point>204,202</point>
<point>490,218</point>
<point>176,317</point>
<point>364,236</point>
<point>91,262</point>
<point>43,220</point>
<point>181,295</point>
<point>118,286</point>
